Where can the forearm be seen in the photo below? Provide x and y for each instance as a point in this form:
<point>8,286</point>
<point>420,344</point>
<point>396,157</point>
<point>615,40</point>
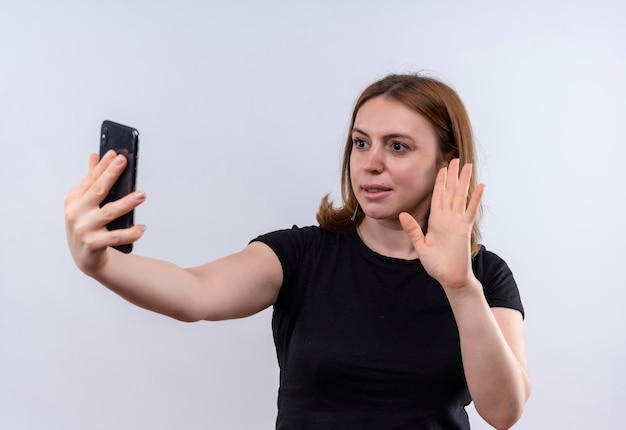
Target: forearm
<point>232,287</point>
<point>498,381</point>
<point>152,284</point>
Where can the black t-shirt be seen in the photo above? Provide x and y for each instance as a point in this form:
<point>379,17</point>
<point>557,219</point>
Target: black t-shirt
<point>366,341</point>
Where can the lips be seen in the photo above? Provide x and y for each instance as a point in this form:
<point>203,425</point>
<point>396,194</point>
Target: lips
<point>375,191</point>
<point>374,188</point>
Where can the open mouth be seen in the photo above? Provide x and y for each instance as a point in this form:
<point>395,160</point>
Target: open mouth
<point>375,192</point>
<point>376,189</point>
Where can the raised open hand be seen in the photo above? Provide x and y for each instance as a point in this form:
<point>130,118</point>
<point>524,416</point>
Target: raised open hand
<point>445,249</point>
<point>87,235</point>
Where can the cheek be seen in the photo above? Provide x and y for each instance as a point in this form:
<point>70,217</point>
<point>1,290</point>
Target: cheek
<point>420,179</point>
<point>351,176</point>
<point>353,167</point>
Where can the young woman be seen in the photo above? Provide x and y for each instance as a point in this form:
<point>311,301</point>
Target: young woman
<point>389,314</point>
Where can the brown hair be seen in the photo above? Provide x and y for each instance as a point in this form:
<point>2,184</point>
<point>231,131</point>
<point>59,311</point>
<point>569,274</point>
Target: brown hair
<point>442,107</point>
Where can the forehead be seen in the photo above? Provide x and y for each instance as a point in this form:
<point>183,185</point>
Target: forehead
<point>383,116</point>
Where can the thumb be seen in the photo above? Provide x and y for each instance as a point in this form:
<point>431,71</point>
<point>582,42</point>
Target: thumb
<point>412,228</point>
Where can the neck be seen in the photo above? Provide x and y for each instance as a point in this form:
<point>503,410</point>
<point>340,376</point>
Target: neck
<point>387,238</point>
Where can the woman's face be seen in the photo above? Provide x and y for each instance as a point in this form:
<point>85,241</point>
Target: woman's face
<point>394,160</point>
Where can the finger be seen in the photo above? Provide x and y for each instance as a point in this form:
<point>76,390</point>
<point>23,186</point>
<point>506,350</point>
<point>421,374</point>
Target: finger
<point>104,180</point>
<point>95,170</point>
<point>113,210</point>
<point>127,235</point>
<point>93,161</point>
<point>452,181</point>
<point>75,194</point>
<point>412,228</point>
<point>89,228</point>
<point>474,204</point>
<point>460,195</point>
<point>98,166</point>
<point>102,238</point>
<point>439,190</point>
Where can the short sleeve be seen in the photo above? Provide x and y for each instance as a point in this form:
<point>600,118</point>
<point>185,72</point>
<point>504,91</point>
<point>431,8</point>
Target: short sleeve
<point>290,246</point>
<point>498,282</point>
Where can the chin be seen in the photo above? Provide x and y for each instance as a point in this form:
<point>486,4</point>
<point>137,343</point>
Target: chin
<point>382,216</point>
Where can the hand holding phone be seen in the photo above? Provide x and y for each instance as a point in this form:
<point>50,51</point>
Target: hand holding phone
<point>124,140</point>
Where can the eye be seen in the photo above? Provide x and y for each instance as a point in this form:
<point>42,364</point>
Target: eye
<point>398,146</point>
<point>359,143</point>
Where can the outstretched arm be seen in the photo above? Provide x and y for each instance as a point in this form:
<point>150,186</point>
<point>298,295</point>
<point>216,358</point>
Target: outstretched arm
<point>492,344</point>
<point>235,286</point>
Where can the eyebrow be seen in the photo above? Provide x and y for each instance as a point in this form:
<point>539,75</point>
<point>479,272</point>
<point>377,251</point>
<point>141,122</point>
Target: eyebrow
<point>387,136</point>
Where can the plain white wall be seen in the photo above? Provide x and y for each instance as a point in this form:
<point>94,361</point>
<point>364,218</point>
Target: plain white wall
<point>242,108</point>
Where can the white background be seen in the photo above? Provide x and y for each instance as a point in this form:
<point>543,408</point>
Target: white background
<point>243,110</point>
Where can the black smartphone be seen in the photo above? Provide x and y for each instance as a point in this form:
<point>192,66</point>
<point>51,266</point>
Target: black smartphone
<point>124,140</point>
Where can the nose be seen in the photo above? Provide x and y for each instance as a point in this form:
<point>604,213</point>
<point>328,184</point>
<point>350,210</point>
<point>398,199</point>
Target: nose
<point>374,159</point>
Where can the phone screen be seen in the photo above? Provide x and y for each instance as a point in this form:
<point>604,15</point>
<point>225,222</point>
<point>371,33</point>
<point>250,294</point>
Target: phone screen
<point>124,140</point>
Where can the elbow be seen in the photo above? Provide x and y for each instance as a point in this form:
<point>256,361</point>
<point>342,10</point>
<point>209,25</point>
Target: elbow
<point>505,424</point>
<point>185,319</point>
<point>185,315</point>
<point>196,315</point>
<point>182,317</point>
<point>506,415</point>
<point>505,419</point>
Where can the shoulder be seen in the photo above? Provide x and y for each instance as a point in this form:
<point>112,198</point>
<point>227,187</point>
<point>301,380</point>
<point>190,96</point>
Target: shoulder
<point>498,282</point>
<point>487,263</point>
<point>294,236</point>
<point>302,251</point>
<point>291,245</point>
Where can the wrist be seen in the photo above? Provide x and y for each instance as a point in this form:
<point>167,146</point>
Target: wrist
<point>97,266</point>
<point>469,289</point>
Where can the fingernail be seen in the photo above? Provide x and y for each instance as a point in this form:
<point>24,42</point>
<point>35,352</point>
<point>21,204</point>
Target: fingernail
<point>140,195</point>
<point>119,160</point>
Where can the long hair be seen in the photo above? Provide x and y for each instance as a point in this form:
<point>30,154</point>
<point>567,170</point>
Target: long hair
<point>443,108</point>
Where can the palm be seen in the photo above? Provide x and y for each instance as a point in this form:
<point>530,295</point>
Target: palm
<point>445,249</point>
